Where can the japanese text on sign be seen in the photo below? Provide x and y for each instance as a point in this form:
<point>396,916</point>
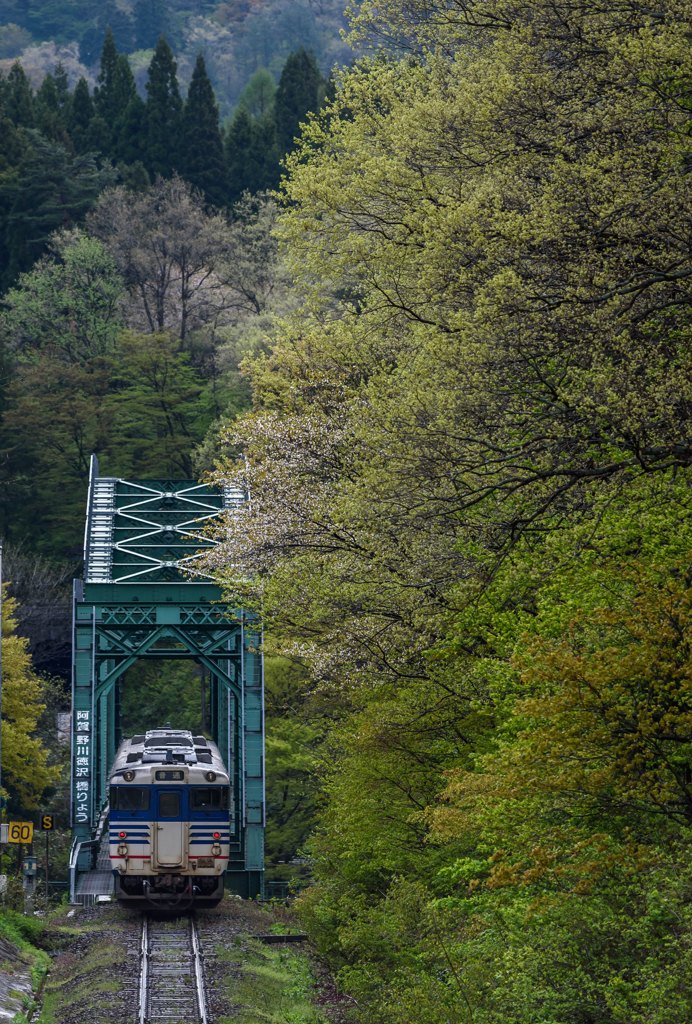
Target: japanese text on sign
<point>82,759</point>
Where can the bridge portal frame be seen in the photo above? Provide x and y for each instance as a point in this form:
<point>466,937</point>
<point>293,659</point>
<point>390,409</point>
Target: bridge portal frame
<point>137,602</point>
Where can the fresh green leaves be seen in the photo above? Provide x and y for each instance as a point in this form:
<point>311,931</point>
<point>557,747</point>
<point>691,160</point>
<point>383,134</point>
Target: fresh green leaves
<point>468,514</point>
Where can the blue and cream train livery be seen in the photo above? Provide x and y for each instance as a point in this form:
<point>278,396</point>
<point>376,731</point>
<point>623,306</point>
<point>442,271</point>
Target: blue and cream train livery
<point>169,820</point>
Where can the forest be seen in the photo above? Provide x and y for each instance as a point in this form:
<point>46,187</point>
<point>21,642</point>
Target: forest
<point>62,148</point>
<point>449,354</point>
<point>138,268</point>
<point>236,39</point>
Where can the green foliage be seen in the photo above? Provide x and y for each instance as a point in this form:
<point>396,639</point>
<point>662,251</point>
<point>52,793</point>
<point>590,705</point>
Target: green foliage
<point>251,154</point>
<point>25,934</point>
<point>56,146</point>
<point>160,407</point>
<point>105,93</point>
<point>67,305</point>
<point>26,773</point>
<point>300,91</point>
<point>18,97</point>
<point>13,147</point>
<point>293,735</point>
<point>107,18</point>
<point>130,141</point>
<point>64,21</point>
<point>51,107</point>
<point>276,985</point>
<point>80,385</point>
<point>259,94</point>
<point>556,861</point>
<point>266,121</point>
<point>55,418</point>
<point>202,161</point>
<point>51,191</point>
<point>114,92</point>
<point>158,692</point>
<point>164,112</point>
<point>81,115</point>
<point>76,381</point>
<point>142,408</point>
<point>60,324</point>
<point>22,931</point>
<point>467,460</point>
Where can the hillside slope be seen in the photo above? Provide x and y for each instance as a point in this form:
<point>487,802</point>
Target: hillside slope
<point>235,38</point>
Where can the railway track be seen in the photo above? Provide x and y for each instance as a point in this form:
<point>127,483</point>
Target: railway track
<point>171,982</point>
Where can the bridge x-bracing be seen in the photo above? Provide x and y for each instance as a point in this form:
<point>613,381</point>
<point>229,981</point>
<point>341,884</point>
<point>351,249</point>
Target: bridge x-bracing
<point>145,595</point>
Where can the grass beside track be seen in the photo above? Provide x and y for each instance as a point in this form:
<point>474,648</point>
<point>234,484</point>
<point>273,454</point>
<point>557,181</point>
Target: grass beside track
<point>270,985</point>
<point>94,967</point>
<point>23,934</point>
<point>85,983</point>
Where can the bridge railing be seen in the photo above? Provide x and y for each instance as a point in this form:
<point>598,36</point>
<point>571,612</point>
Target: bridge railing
<point>80,846</point>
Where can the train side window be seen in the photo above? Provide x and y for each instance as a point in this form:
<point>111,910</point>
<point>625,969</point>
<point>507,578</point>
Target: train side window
<point>129,798</point>
<point>169,805</point>
<point>209,798</point>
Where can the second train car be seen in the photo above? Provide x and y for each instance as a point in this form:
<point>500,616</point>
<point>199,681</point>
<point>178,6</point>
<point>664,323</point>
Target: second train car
<point>169,820</point>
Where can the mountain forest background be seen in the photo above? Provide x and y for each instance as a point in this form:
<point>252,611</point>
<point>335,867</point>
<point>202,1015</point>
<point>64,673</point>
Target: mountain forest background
<point>424,289</point>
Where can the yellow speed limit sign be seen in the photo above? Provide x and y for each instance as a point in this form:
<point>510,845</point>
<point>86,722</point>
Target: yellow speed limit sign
<point>20,832</point>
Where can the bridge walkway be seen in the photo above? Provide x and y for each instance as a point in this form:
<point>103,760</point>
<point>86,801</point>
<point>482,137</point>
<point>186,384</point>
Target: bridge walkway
<point>97,884</point>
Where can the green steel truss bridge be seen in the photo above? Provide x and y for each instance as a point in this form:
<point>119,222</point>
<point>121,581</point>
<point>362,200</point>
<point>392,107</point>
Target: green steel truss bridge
<point>145,595</point>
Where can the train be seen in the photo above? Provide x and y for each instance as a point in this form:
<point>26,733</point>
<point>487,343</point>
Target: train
<point>169,820</point>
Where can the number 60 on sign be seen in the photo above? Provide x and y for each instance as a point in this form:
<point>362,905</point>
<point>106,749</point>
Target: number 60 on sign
<point>20,832</point>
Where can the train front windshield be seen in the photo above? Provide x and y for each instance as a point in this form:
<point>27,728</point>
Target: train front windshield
<point>208,799</point>
<point>174,801</point>
<point>129,798</point>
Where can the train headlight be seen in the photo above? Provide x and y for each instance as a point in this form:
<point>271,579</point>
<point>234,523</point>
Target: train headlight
<point>216,850</point>
<point>210,776</point>
<point>122,850</point>
<point>128,776</point>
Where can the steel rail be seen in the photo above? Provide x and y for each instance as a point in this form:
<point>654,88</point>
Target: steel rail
<point>144,970</point>
<point>199,972</point>
<point>171,981</point>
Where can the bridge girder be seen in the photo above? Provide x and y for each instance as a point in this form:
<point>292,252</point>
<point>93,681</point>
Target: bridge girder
<point>145,595</point>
